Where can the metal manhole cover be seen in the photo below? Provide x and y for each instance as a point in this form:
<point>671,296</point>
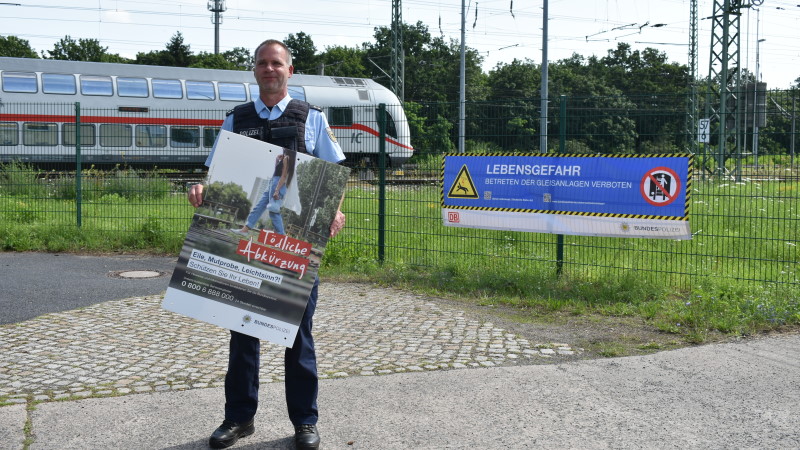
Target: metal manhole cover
<point>136,274</point>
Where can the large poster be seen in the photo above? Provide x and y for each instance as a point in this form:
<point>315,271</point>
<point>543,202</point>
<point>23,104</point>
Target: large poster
<point>614,195</point>
<point>256,280</point>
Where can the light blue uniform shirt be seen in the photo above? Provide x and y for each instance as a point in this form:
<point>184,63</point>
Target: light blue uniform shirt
<point>318,141</point>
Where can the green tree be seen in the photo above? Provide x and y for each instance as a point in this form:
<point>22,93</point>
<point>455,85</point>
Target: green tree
<point>432,65</point>
<point>319,190</point>
<point>431,79</point>
<point>230,194</point>
<point>13,46</point>
<point>176,54</point>
<point>211,61</point>
<point>239,57</point>
<point>344,62</point>
<point>69,49</point>
<point>430,130</point>
<point>646,72</point>
<point>645,89</point>
<point>151,58</point>
<point>518,79</point>
<point>236,59</point>
<point>179,54</point>
<point>304,53</point>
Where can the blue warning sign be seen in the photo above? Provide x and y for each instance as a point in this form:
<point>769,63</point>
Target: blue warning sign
<point>653,186</point>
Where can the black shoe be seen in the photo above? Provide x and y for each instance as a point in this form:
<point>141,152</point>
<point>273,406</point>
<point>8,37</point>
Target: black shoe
<point>306,436</point>
<point>229,432</point>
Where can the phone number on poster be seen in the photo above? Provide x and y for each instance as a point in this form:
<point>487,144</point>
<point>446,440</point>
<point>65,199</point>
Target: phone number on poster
<point>205,290</point>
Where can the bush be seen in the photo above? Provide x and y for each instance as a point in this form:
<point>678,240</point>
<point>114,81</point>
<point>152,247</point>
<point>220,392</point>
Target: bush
<point>130,184</point>
<point>21,213</point>
<point>21,179</point>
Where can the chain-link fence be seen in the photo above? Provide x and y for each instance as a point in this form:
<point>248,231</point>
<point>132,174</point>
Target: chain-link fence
<point>134,167</point>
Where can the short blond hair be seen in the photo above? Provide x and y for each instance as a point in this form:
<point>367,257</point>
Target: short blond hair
<point>275,42</point>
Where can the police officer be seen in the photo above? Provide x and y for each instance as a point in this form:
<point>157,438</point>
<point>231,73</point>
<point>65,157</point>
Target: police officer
<point>276,118</point>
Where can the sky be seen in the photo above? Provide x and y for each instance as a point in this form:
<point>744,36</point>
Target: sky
<point>501,30</point>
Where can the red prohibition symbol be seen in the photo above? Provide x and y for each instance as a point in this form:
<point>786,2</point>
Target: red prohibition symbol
<point>660,186</point>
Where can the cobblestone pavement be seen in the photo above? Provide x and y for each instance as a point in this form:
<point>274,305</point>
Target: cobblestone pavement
<point>133,345</point>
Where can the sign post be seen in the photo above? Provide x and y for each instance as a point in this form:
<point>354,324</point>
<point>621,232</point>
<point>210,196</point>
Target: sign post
<point>703,131</point>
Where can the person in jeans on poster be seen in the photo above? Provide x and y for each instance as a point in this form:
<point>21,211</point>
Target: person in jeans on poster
<point>278,119</point>
<point>272,198</point>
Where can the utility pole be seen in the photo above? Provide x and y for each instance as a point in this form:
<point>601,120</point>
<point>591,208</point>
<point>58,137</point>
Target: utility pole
<point>756,91</point>
<point>398,57</point>
<point>217,7</point>
<point>725,85</point>
<point>691,106</point>
<point>543,112</point>
<point>462,90</point>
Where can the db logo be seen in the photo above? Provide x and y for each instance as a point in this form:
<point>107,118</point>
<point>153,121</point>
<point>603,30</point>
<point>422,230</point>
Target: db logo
<point>452,216</point>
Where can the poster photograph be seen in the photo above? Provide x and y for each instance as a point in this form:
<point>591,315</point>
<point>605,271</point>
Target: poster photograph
<point>256,281</point>
<point>643,196</point>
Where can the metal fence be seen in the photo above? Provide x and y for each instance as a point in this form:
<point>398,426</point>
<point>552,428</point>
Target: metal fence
<point>744,216</point>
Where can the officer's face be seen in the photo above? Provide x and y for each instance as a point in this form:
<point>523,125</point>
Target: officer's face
<point>272,71</point>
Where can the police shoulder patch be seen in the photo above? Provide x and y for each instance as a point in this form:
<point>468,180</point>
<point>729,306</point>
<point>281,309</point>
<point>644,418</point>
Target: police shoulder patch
<point>330,134</point>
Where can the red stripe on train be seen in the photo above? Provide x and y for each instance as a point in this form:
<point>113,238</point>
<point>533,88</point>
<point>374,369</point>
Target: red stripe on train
<point>104,119</point>
<point>358,126</point>
<point>158,121</point>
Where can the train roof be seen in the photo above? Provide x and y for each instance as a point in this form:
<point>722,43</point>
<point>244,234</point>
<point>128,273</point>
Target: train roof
<point>183,73</point>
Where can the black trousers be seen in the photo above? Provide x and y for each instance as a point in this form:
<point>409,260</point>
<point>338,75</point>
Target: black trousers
<point>300,365</point>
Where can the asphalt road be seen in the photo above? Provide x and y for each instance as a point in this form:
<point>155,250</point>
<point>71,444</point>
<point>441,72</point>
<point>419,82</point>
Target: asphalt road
<point>32,284</point>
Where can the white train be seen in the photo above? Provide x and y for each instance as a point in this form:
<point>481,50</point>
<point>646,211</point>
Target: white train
<point>153,115</point>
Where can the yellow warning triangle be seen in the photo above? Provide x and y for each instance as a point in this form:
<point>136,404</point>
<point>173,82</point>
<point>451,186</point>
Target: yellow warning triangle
<point>463,187</point>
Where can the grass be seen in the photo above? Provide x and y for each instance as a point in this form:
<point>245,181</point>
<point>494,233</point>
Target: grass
<point>737,276</point>
<point>120,210</point>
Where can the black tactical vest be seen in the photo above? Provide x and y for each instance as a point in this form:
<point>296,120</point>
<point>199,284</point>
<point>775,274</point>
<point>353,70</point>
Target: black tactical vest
<point>288,130</point>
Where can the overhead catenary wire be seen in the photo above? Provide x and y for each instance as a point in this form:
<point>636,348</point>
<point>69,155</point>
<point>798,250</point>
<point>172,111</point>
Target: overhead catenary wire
<point>157,21</point>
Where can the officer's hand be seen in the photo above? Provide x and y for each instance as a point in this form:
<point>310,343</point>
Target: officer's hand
<point>338,223</point>
<point>196,195</point>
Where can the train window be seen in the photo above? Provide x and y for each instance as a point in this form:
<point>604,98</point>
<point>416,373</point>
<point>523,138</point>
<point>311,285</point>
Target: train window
<point>151,136</point>
<point>19,82</point>
<point>58,83</point>
<point>297,92</point>
<point>210,136</point>
<point>184,136</point>
<point>132,87</point>
<point>345,81</point>
<point>342,117</point>
<point>167,88</point>
<point>96,85</point>
<point>9,133</point>
<point>87,134</point>
<point>232,92</point>
<point>115,135</point>
<point>391,129</point>
<point>200,90</point>
<point>37,133</point>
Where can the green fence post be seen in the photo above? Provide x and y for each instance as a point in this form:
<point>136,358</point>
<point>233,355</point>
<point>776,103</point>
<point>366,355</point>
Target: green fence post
<point>562,147</point>
<point>78,190</point>
<point>382,182</point>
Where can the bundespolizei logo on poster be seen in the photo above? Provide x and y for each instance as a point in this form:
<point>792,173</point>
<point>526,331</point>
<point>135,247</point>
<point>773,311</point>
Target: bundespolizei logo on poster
<point>256,281</point>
